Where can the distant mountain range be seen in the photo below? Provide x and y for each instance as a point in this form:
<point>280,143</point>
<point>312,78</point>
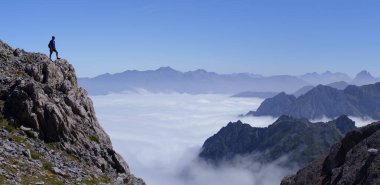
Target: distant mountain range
<point>298,139</point>
<point>166,79</point>
<point>303,90</point>
<point>325,78</point>
<point>361,101</point>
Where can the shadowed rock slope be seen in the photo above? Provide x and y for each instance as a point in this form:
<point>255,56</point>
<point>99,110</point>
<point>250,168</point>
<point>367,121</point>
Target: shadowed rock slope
<point>354,160</point>
<point>298,139</point>
<point>44,96</point>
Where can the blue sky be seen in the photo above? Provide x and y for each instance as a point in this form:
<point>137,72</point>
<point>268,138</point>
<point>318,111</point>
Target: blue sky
<point>258,36</point>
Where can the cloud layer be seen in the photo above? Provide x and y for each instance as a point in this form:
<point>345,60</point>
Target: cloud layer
<point>160,135</point>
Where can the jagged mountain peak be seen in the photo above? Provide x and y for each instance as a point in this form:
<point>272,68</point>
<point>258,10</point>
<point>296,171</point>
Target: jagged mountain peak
<point>299,139</point>
<point>364,74</point>
<point>363,78</point>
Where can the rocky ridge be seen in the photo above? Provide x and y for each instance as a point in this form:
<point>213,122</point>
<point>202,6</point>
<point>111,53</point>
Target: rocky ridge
<point>359,101</point>
<point>353,160</point>
<point>298,139</point>
<point>44,96</point>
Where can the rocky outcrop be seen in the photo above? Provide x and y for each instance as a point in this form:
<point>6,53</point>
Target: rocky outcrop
<point>353,160</point>
<point>44,95</point>
<point>363,101</point>
<point>298,139</point>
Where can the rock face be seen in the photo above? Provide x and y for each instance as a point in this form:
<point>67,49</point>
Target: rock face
<point>298,139</point>
<point>303,90</point>
<point>341,85</point>
<point>363,101</point>
<point>275,106</point>
<point>353,160</point>
<point>44,95</point>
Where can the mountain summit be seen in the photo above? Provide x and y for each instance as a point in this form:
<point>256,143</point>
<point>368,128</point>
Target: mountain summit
<point>363,78</point>
<point>360,101</point>
<point>48,121</point>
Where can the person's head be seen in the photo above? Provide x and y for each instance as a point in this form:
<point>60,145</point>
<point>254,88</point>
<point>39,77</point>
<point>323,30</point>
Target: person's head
<point>52,38</point>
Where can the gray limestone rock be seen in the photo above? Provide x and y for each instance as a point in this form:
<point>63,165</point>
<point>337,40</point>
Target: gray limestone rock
<point>44,96</point>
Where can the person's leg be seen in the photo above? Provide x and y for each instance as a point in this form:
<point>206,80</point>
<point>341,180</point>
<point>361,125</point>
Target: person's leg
<point>56,53</point>
<point>51,52</point>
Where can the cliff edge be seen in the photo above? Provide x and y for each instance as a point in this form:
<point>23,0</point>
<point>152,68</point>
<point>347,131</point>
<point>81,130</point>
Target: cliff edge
<point>44,100</point>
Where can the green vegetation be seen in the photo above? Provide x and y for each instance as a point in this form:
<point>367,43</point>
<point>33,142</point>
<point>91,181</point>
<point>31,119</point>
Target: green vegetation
<point>47,165</point>
<point>52,146</point>
<point>103,179</point>
<point>94,138</point>
<point>18,139</point>
<point>48,179</point>
<point>30,134</point>
<point>35,155</point>
<point>5,124</point>
<point>69,156</point>
<point>9,128</point>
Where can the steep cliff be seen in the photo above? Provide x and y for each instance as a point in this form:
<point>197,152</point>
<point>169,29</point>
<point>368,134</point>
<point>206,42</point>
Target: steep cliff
<point>44,96</point>
<point>353,160</point>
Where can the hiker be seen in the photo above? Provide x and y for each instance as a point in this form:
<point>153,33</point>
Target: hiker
<point>52,47</point>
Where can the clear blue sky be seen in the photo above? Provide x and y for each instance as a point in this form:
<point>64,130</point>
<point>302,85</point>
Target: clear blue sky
<point>258,36</point>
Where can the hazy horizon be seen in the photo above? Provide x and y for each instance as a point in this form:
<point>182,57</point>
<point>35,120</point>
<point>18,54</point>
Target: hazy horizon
<point>195,69</point>
<point>265,37</point>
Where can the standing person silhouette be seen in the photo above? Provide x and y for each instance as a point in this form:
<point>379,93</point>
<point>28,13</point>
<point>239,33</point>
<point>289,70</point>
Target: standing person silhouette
<point>52,47</point>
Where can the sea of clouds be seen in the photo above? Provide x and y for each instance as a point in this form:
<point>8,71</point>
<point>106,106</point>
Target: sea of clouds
<point>160,135</point>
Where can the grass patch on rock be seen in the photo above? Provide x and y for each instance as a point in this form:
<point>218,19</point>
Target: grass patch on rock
<point>96,181</point>
<point>35,155</point>
<point>48,180</point>
<point>18,139</point>
<point>47,165</point>
<point>94,138</point>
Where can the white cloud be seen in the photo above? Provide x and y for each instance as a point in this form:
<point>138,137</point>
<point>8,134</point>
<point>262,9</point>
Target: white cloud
<point>160,135</point>
<point>359,121</point>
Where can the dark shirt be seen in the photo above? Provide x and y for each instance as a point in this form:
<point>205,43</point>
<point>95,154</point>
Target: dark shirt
<point>52,44</point>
